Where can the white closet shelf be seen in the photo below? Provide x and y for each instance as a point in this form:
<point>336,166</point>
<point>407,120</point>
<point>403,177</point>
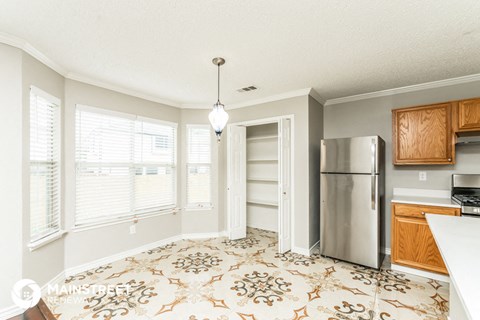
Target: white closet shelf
<point>263,202</point>
<point>263,179</point>
<point>262,138</point>
<point>262,160</point>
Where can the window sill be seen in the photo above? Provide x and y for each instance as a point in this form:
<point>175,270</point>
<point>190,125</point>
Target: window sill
<point>97,225</point>
<point>44,241</point>
<point>206,208</point>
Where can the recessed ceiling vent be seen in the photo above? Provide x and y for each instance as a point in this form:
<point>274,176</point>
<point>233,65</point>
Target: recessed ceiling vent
<point>246,89</point>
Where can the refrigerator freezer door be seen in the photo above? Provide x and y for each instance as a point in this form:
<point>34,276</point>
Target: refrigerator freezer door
<point>349,220</point>
<point>350,155</point>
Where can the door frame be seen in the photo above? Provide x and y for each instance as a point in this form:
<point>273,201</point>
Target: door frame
<point>269,120</point>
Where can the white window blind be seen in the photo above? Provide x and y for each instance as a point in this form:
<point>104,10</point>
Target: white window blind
<point>198,166</point>
<point>125,166</point>
<point>44,165</point>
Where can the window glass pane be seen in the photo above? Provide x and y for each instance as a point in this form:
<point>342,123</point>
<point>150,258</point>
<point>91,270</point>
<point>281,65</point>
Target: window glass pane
<point>125,167</point>
<point>44,167</point>
<point>198,166</point>
<point>198,181</point>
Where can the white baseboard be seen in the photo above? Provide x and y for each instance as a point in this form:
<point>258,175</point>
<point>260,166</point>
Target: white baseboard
<point>10,312</point>
<point>303,251</point>
<point>421,273</point>
<point>313,247</point>
<point>119,256</point>
<point>56,280</point>
<point>13,311</point>
<point>122,255</point>
<point>308,252</point>
<point>192,236</point>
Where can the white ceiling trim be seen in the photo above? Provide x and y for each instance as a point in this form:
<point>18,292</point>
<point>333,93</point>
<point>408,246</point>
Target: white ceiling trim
<point>276,97</point>
<point>314,94</point>
<point>28,48</point>
<point>31,50</point>
<point>406,89</point>
<point>130,92</point>
<point>21,44</point>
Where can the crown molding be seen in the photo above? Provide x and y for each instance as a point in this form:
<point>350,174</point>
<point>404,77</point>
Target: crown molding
<point>277,97</point>
<point>31,50</point>
<point>314,94</point>
<point>406,89</point>
<point>120,89</point>
<point>21,44</point>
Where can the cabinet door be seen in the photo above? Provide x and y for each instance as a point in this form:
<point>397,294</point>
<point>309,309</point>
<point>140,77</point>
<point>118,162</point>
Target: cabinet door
<point>423,135</point>
<point>414,245</point>
<point>468,115</point>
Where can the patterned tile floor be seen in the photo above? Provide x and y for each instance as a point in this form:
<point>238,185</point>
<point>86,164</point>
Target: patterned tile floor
<point>218,279</point>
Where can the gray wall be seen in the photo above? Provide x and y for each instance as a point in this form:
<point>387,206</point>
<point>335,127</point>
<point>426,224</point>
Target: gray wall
<point>88,245</point>
<point>373,117</point>
<point>299,107</point>
<point>315,135</point>
<point>11,138</point>
<point>37,74</point>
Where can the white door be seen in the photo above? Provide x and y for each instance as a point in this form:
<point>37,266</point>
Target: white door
<point>285,176</point>
<point>237,182</point>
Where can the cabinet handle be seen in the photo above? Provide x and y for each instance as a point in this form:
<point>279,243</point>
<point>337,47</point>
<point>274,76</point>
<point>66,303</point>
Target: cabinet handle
<point>449,159</point>
<point>423,213</point>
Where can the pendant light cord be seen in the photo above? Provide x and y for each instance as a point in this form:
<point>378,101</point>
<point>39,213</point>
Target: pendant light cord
<point>218,84</point>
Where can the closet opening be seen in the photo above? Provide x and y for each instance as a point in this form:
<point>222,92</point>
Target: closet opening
<point>259,170</point>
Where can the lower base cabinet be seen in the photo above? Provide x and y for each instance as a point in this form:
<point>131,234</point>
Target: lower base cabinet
<point>413,244</point>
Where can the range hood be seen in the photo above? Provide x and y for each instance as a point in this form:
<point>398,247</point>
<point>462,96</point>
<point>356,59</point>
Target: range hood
<point>468,140</point>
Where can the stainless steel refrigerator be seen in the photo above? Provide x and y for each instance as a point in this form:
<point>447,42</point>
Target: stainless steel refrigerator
<point>352,183</point>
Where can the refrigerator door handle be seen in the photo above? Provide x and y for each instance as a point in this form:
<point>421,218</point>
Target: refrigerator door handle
<point>374,191</point>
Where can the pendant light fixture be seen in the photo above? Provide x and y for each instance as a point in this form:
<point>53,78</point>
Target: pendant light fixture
<point>218,116</point>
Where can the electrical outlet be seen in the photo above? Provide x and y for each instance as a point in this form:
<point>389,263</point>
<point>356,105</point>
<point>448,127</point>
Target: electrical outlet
<point>133,229</point>
<point>422,176</point>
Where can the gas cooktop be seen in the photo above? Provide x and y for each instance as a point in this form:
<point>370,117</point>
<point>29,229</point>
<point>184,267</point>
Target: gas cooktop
<point>466,192</point>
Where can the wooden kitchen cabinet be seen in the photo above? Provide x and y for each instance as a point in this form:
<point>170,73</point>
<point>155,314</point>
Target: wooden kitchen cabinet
<point>467,115</point>
<point>423,135</point>
<point>413,244</point>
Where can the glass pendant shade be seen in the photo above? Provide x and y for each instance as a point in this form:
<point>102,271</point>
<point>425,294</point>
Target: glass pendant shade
<point>218,118</point>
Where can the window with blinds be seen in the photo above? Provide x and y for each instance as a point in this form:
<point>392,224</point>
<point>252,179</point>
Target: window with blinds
<point>44,164</point>
<point>198,166</point>
<point>125,166</point>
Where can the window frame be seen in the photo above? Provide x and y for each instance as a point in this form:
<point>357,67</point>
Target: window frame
<point>133,213</point>
<point>197,206</point>
<point>36,241</point>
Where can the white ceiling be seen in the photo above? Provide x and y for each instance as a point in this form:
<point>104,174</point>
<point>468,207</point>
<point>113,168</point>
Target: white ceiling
<point>164,48</point>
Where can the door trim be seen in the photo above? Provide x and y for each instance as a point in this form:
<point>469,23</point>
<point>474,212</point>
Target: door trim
<point>292,163</point>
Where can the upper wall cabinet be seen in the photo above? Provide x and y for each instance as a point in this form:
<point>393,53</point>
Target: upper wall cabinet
<point>423,135</point>
<point>468,115</point>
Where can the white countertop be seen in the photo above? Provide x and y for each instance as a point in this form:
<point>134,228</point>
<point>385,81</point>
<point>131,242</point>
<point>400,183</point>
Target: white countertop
<point>458,239</point>
<point>439,198</point>
<point>427,201</point>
